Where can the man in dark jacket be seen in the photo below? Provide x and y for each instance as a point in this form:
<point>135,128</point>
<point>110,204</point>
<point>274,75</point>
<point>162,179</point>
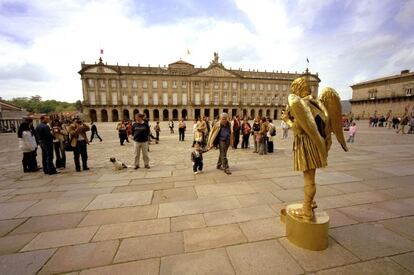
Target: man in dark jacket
<point>141,132</point>
<point>46,143</point>
<point>236,131</point>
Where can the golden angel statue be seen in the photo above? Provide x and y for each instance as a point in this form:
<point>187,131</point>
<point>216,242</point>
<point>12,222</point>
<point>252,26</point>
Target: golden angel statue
<point>312,121</point>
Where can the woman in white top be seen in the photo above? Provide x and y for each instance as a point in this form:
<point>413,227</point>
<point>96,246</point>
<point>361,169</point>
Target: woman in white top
<point>28,145</point>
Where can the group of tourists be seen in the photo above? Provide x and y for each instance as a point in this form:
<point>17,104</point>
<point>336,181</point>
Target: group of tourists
<point>398,123</point>
<point>55,138</point>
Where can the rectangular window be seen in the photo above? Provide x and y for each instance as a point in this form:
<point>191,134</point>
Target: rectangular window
<point>103,98</point>
<point>216,99</point>
<point>234,99</point>
<point>234,85</point>
<point>276,87</point>
<point>91,83</point>
<point>216,85</point>
<point>102,83</point>
<point>269,87</point>
<point>206,85</point>
<point>408,91</point>
<point>113,84</point>
<point>175,99</point>
<point>261,87</point>
<point>284,87</point>
<point>197,98</point>
<point>253,86</point>
<point>124,83</point>
<point>225,99</point>
<point>154,84</point>
<point>164,84</point>
<point>135,100</point>
<point>144,84</point>
<point>92,98</point>
<point>206,99</point>
<point>125,99</point>
<point>197,84</point>
<point>246,99</point>
<point>245,86</point>
<point>165,98</point>
<point>114,98</point>
<point>134,84</point>
<point>184,84</point>
<point>145,98</point>
<point>174,84</point>
<point>155,99</point>
<point>184,99</point>
<point>225,85</point>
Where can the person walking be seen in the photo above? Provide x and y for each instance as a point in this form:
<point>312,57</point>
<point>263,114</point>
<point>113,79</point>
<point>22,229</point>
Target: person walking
<point>171,126</point>
<point>140,132</point>
<point>285,129</point>
<point>181,130</point>
<point>157,130</point>
<point>94,132</point>
<point>79,141</point>
<point>246,130</point>
<point>352,132</point>
<point>236,130</point>
<point>197,159</point>
<point>221,136</point>
<point>46,144</point>
<point>404,122</point>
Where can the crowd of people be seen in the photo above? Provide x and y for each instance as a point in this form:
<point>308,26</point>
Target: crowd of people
<point>398,123</point>
<point>54,138</point>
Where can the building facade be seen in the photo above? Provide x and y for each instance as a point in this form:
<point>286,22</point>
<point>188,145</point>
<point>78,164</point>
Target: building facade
<point>113,92</point>
<point>383,96</point>
<point>10,115</point>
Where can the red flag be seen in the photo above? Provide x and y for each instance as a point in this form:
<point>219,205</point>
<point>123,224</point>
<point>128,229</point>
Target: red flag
<point>101,51</point>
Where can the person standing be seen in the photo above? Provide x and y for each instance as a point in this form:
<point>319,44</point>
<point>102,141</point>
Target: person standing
<point>181,130</point>
<point>264,128</point>
<point>46,143</point>
<point>246,131</point>
<point>256,129</point>
<point>236,130</point>
<point>171,126</point>
<point>141,132</point>
<point>221,136</point>
<point>157,130</point>
<point>404,122</point>
<point>27,144</point>
<point>59,137</point>
<point>208,127</point>
<point>122,132</point>
<point>270,136</point>
<point>94,132</point>
<point>201,130</point>
<point>285,129</point>
<point>197,159</point>
<point>352,132</point>
<point>79,141</point>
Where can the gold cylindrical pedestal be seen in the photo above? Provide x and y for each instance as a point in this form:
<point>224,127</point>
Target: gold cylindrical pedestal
<point>311,235</point>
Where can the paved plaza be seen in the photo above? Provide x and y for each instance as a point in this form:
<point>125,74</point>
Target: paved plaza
<point>166,220</point>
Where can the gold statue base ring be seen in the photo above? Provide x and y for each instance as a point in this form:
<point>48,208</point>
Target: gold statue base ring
<point>312,235</point>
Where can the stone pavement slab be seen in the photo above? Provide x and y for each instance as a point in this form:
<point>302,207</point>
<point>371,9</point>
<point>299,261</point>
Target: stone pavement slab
<point>263,229</point>
<point>257,199</point>
<point>9,210</point>
<point>81,256</point>
<point>149,247</point>
<point>367,213</point>
<point>118,215</point>
<point>61,238</point>
<point>147,267</point>
<point>13,243</point>
<point>209,262</point>
<point>405,260</point>
<point>132,229</point>
<point>403,226</point>
<point>24,263</point>
<point>8,225</point>
<point>337,218</point>
<point>375,267</point>
<point>187,222</point>
<point>334,255</point>
<point>50,223</point>
<point>35,196</point>
<point>222,190</point>
<point>175,194</point>
<point>267,257</point>
<point>56,206</point>
<point>213,237</point>
<point>368,241</point>
<point>120,200</point>
<point>238,215</point>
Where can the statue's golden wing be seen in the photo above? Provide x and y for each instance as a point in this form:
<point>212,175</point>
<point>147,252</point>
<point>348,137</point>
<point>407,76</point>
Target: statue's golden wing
<point>332,102</point>
<point>305,120</point>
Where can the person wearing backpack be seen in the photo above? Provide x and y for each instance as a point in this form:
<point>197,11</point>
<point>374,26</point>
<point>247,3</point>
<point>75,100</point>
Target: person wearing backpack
<point>270,136</point>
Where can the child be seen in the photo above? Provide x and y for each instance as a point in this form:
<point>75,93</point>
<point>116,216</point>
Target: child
<point>197,159</point>
<point>352,132</point>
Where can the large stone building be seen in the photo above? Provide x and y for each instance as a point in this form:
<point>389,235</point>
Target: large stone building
<point>10,115</point>
<point>113,92</point>
<point>382,96</point>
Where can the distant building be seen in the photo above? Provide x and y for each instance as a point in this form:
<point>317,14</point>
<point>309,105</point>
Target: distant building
<point>10,115</point>
<point>113,92</point>
<point>382,96</point>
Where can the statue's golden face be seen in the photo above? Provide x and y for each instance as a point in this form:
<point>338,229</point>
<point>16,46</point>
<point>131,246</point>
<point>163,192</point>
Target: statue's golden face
<point>300,87</point>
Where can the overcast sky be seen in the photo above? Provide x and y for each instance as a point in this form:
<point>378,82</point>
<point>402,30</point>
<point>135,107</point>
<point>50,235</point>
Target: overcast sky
<point>42,43</point>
